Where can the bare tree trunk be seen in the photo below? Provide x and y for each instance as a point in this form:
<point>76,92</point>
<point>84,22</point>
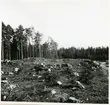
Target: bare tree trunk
<point>2,51</point>
<point>50,54</point>
<point>33,50</point>
<point>21,49</point>
<point>30,50</point>
<point>9,52</point>
<point>36,51</point>
<point>19,53</point>
<point>56,54</point>
<point>39,51</point>
<point>27,52</point>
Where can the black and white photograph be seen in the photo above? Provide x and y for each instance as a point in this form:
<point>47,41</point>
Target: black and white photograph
<point>55,51</point>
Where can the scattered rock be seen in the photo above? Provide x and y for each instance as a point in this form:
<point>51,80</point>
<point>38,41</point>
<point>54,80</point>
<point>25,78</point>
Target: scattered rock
<point>43,80</point>
<point>4,81</point>
<point>97,63</point>
<point>51,67</point>
<point>43,64</point>
<point>12,86</point>
<point>74,99</point>
<point>53,92</point>
<point>34,75</point>
<point>49,70</point>
<point>76,74</point>
<point>79,64</point>
<point>87,99</point>
<point>2,72</point>
<point>70,66</point>
<point>74,88</point>
<point>59,82</point>
<point>11,73</point>
<point>39,76</point>
<point>16,69</point>
<point>80,84</point>
<point>4,97</point>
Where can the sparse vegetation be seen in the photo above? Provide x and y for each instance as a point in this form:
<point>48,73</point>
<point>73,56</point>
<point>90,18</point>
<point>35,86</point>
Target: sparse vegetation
<point>39,88</point>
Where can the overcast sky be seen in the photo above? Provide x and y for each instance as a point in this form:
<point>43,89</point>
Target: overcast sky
<point>78,23</point>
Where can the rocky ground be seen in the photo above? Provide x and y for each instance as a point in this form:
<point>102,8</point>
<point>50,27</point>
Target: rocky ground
<point>54,80</point>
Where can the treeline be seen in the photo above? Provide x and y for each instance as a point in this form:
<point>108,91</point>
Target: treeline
<point>98,53</point>
<point>23,43</point>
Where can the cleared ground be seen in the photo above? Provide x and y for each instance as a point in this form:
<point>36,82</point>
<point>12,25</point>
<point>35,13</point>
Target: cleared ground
<point>37,84</point>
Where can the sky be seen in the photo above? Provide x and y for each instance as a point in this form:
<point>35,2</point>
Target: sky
<point>78,23</point>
